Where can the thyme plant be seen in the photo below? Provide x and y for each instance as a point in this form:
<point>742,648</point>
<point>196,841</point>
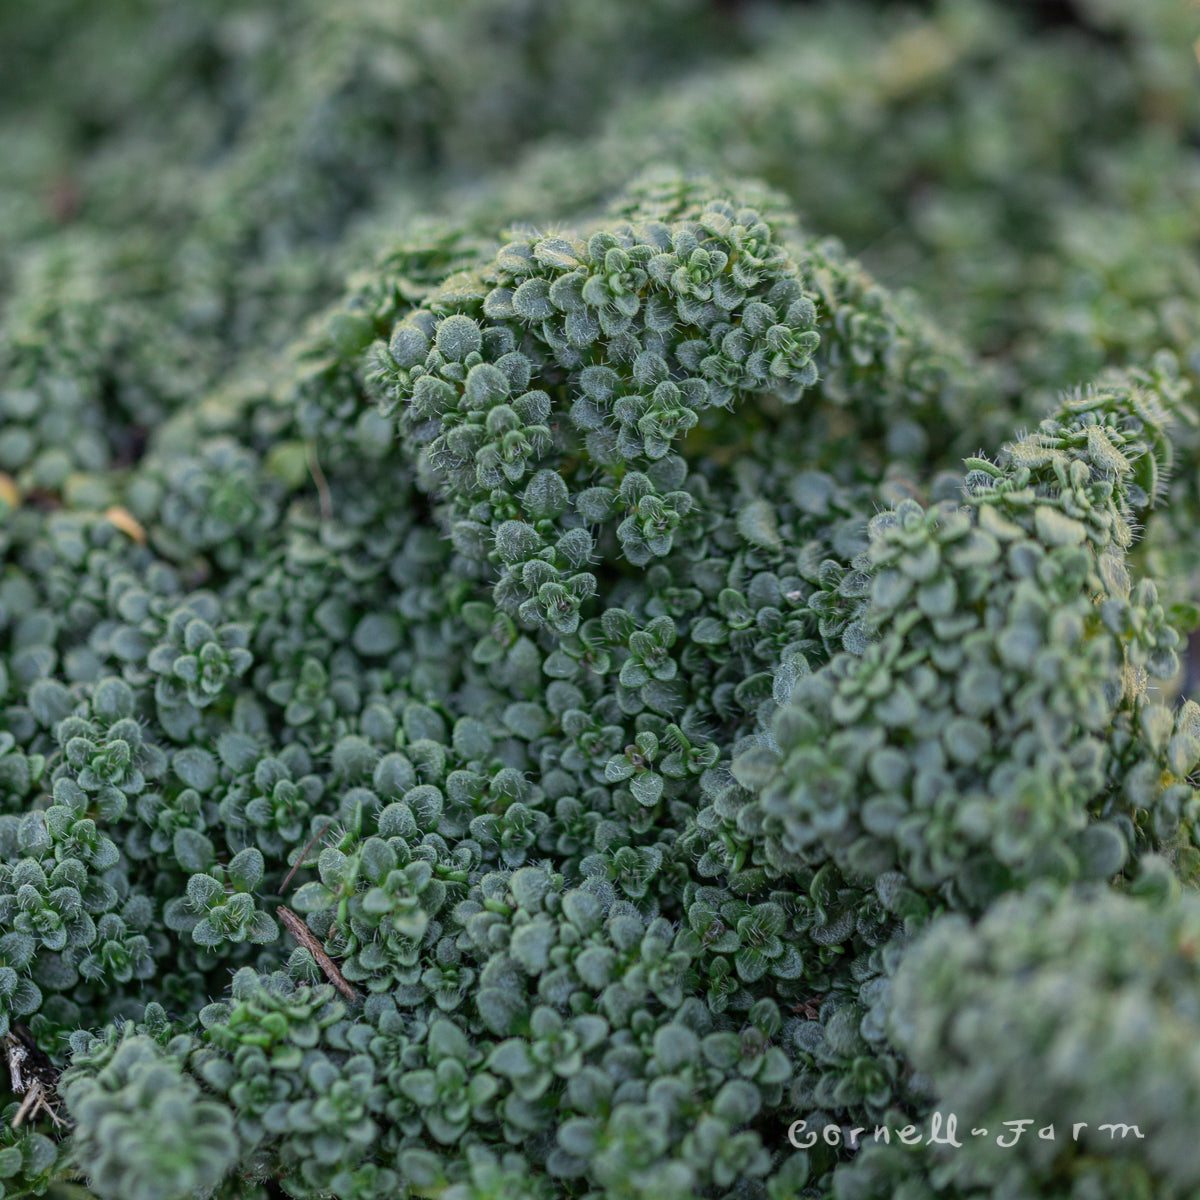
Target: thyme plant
<point>593,694</point>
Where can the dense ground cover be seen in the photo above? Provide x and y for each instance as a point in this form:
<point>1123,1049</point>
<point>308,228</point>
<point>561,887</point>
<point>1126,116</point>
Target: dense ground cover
<point>584,584</point>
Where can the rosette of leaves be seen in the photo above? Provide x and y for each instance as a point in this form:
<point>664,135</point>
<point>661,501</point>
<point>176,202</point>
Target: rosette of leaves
<point>197,659</point>
<point>272,803</point>
<point>221,904</point>
<point>218,503</point>
<point>144,1129</point>
<point>377,897</point>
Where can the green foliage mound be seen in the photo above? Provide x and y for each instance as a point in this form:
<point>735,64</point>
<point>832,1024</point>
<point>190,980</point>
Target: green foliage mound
<point>561,698</point>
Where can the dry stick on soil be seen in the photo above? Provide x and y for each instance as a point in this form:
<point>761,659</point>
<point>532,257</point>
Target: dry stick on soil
<point>301,932</point>
<point>32,1074</point>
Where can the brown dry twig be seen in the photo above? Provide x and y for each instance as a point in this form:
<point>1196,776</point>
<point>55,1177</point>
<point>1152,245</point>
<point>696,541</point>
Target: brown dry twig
<point>300,861</point>
<point>323,498</point>
<point>301,932</point>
